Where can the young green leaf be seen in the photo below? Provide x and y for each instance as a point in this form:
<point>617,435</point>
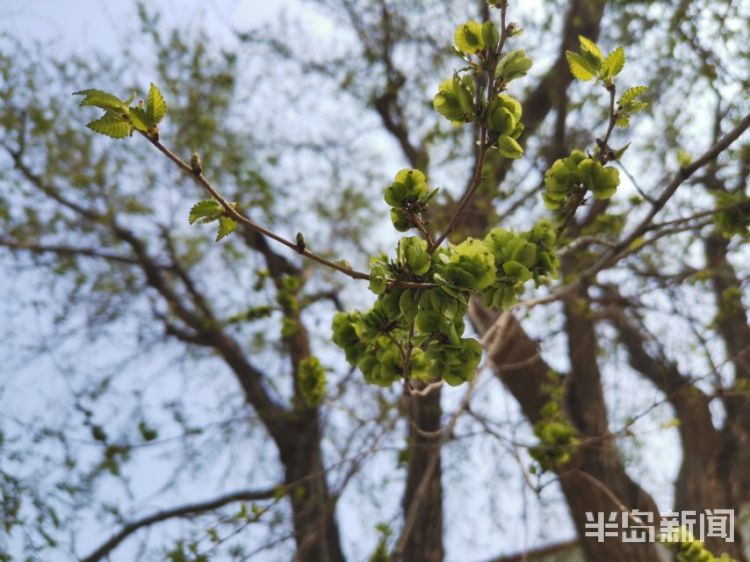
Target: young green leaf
<point>139,119</point>
<point>226,227</point>
<point>580,67</point>
<point>614,63</point>
<point>631,95</point>
<point>588,46</point>
<point>205,211</point>
<point>112,125</point>
<point>102,100</point>
<point>156,107</point>
<point>619,153</point>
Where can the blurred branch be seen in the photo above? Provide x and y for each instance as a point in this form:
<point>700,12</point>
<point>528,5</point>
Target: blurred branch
<point>189,510</point>
<point>63,250</point>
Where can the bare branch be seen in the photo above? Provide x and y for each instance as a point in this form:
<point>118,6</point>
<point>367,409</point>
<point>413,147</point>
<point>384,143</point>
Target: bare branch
<point>185,511</point>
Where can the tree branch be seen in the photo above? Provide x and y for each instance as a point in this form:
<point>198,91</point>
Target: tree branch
<point>235,215</point>
<point>64,250</point>
<point>189,510</point>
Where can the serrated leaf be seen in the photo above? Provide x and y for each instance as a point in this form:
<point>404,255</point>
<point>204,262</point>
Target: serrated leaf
<point>139,119</point>
<point>112,125</point>
<point>101,99</point>
<point>622,121</point>
<point>630,95</point>
<point>588,46</point>
<point>156,106</point>
<point>226,227</point>
<point>580,67</point>
<point>614,63</point>
<point>205,211</point>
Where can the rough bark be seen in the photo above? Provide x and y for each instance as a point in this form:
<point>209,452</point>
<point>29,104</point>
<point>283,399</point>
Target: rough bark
<point>315,527</point>
<point>732,325</point>
<point>425,541</point>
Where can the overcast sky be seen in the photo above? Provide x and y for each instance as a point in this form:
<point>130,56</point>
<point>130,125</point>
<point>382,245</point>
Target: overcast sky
<point>82,24</point>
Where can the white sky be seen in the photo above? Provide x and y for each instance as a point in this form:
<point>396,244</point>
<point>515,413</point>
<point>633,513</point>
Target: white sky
<point>82,24</point>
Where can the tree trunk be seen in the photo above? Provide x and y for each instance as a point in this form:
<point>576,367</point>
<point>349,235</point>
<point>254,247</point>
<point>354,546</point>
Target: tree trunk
<point>315,529</point>
<point>732,324</point>
<point>424,542</point>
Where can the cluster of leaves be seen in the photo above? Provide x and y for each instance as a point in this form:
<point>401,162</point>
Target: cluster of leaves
<point>460,101</point>
<point>415,328</point>
<point>408,197</point>
<point>518,259</point>
<point>312,381</point>
<point>590,64</point>
<point>570,178</point>
<point>735,220</point>
<point>690,549</point>
<point>383,345</point>
<point>415,333</point>
<point>120,119</point>
<point>557,437</point>
<point>210,210</point>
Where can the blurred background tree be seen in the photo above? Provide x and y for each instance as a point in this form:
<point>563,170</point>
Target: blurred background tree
<point>155,394</point>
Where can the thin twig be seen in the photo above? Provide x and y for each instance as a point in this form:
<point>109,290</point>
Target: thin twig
<point>477,177</point>
<point>235,215</point>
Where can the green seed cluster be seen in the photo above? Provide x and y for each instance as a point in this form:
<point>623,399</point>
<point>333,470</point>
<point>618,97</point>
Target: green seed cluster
<point>312,381</point>
<point>408,196</point>
<point>518,259</point>
<point>735,220</point>
<point>689,549</point>
<point>417,332</point>
<point>557,436</point>
<point>571,177</point>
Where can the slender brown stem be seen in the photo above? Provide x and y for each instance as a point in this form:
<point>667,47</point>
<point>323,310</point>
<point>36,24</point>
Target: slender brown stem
<point>422,227</point>
<point>476,180</point>
<point>235,215</point>
<point>477,177</point>
<point>602,158</point>
<point>612,122</point>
